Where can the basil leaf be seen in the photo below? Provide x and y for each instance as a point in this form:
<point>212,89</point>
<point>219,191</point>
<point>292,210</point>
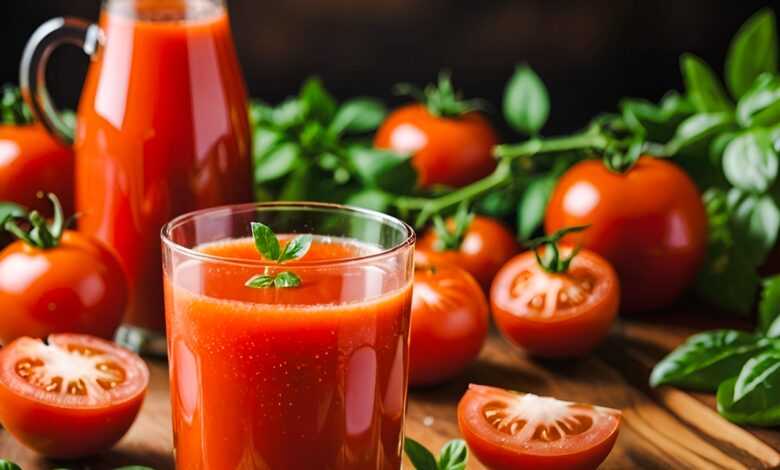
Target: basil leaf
<point>382,169</point>
<point>260,281</point>
<point>373,199</point>
<point>526,102</point>
<point>10,210</point>
<point>287,279</point>
<point>421,458</point>
<point>318,104</point>
<point>753,51</point>
<point>698,129</point>
<point>260,113</point>
<point>760,106</point>
<point>706,359</point>
<point>769,307</point>
<point>755,373</point>
<point>532,205</point>
<point>289,114</point>
<point>454,455</point>
<point>729,281</point>
<point>703,87</point>
<point>277,162</point>
<point>755,221</point>
<point>265,241</point>
<point>8,465</point>
<point>296,248</point>
<point>750,161</point>
<point>296,186</point>
<point>358,116</point>
<point>759,402</point>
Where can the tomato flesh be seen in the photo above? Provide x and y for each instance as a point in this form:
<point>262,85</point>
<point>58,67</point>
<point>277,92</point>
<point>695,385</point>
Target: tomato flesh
<point>555,315</point>
<point>509,430</point>
<point>75,396</point>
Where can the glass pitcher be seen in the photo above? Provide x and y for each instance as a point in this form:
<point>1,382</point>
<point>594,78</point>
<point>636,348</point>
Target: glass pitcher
<point>162,129</point>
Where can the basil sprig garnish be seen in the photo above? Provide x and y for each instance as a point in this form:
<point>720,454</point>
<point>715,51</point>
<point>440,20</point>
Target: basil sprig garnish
<point>267,243</point>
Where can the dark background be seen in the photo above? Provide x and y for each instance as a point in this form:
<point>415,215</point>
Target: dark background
<point>590,53</point>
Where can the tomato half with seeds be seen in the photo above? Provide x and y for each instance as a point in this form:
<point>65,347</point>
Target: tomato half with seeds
<point>509,430</point>
<point>449,323</point>
<point>71,397</point>
<point>555,314</point>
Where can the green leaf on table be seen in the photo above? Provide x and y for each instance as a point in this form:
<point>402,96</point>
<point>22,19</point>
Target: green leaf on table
<point>526,101</point>
<point>383,169</point>
<point>769,307</point>
<point>532,205</point>
<point>755,223</point>
<point>753,51</point>
<point>698,129</point>
<point>707,359</point>
<point>296,248</point>
<point>760,105</point>
<point>265,241</point>
<point>277,162</point>
<point>750,161</point>
<point>751,397</point>
<point>316,101</point>
<point>454,455</point>
<point>8,465</point>
<point>702,85</point>
<point>421,458</point>
<point>357,116</point>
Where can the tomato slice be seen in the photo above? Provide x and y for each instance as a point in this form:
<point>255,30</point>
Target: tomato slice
<point>509,430</point>
<point>555,314</point>
<point>73,396</point>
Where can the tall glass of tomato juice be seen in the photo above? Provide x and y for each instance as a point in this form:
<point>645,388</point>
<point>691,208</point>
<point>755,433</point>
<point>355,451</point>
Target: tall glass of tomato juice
<point>162,127</point>
<point>293,378</point>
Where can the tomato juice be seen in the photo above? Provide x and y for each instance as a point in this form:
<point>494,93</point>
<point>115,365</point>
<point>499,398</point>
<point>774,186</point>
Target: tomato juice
<point>289,378</point>
<point>162,130</point>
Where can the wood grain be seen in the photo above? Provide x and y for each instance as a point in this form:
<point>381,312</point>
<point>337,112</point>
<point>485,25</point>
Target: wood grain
<point>663,428</point>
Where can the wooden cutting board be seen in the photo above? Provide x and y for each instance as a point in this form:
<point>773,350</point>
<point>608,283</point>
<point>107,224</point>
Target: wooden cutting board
<point>665,428</point>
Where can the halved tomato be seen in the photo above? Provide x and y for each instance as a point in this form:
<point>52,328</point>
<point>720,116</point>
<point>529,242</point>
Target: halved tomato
<point>75,396</point>
<point>509,430</point>
<point>555,314</point>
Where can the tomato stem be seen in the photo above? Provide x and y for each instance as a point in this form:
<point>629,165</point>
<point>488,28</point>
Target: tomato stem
<point>441,100</point>
<point>552,262</point>
<point>13,110</point>
<point>429,207</point>
<point>41,234</point>
<point>583,141</point>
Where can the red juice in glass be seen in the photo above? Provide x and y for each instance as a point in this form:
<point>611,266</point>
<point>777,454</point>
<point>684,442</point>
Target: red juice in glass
<point>304,377</point>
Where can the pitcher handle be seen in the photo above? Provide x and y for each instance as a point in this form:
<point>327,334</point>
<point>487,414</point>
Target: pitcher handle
<point>32,72</point>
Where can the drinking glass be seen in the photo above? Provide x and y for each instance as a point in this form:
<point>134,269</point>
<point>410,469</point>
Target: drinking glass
<point>293,378</point>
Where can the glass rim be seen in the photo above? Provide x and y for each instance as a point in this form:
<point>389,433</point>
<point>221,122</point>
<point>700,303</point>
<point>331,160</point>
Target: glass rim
<point>407,242</point>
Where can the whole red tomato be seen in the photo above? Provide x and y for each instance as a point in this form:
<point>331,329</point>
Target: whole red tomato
<point>449,323</point>
<point>61,282</point>
<point>450,143</point>
<point>485,246</point>
<point>32,162</point>
<point>649,222</point>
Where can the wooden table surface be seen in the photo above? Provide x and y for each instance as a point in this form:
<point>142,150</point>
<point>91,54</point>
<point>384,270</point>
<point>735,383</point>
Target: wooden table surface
<point>664,428</point>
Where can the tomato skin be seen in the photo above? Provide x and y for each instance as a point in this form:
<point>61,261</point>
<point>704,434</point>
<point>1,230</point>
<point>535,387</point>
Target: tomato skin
<point>32,161</point>
<point>62,431</point>
<point>649,222</point>
<point>486,246</point>
<point>498,452</point>
<point>573,332</point>
<point>447,151</point>
<point>76,287</point>
<point>449,323</point>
